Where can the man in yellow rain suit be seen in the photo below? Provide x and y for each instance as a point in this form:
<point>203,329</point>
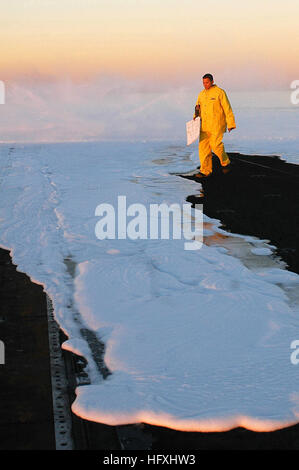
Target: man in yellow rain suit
<point>216,115</point>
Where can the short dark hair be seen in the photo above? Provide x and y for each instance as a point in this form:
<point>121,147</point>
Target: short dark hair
<point>209,76</point>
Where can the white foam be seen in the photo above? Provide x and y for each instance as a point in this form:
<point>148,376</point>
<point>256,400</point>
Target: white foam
<point>194,339</point>
<point>261,251</point>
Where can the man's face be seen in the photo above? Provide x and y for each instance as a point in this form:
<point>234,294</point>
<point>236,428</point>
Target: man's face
<point>207,83</point>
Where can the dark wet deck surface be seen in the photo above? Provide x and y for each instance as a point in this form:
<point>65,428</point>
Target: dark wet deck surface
<point>259,197</point>
<point>26,411</point>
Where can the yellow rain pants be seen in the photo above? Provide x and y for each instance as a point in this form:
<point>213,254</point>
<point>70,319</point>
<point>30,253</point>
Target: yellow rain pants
<point>216,116</point>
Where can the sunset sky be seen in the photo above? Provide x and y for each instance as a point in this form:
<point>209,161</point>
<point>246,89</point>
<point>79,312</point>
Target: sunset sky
<point>145,45</point>
<point>169,39</point>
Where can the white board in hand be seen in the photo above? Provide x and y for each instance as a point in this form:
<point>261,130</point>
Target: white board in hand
<point>192,129</point>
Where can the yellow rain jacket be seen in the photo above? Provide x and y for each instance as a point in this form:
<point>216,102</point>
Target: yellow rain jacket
<point>215,110</point>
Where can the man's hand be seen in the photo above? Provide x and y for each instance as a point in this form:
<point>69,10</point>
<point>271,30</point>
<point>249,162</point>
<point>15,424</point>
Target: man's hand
<point>196,111</point>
